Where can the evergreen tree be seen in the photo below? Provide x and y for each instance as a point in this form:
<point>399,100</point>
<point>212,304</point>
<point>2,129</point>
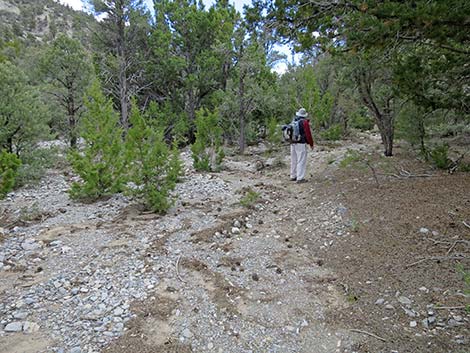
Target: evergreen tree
<point>68,72</point>
<point>207,151</point>
<point>9,165</point>
<point>22,115</point>
<point>121,49</point>
<point>153,167</point>
<point>100,164</point>
<point>192,54</point>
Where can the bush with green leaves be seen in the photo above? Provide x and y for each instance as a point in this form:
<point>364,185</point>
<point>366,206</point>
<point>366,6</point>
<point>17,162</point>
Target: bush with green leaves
<point>361,122</point>
<point>207,151</point>
<point>35,162</point>
<point>334,133</point>
<point>250,198</point>
<point>273,132</point>
<point>100,163</point>
<point>439,156</point>
<point>9,165</point>
<point>153,168</point>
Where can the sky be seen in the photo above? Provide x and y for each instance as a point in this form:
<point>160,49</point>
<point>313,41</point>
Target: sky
<point>78,4</point>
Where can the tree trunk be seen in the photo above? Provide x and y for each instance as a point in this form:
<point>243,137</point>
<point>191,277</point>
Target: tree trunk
<point>121,56</point>
<point>71,111</point>
<point>241,93</point>
<point>384,120</point>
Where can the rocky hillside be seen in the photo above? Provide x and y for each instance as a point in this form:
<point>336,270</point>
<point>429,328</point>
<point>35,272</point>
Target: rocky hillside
<point>42,20</point>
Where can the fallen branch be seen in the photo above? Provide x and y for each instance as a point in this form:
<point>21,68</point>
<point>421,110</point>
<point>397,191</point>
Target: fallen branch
<point>177,266</point>
<point>368,334</point>
<point>438,258</point>
<point>374,173</point>
<point>450,307</point>
<point>466,224</point>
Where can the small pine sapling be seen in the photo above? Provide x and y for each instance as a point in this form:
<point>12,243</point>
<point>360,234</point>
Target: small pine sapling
<point>100,164</point>
<point>9,165</point>
<point>207,151</point>
<point>153,168</point>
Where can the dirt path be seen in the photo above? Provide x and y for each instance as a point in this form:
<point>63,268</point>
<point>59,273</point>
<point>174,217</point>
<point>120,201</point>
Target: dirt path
<point>211,276</point>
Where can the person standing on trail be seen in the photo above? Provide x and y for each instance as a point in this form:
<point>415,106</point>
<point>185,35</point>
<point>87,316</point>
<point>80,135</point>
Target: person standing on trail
<point>300,137</point>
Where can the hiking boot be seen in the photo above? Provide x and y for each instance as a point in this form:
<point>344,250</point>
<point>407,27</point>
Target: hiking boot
<point>293,179</point>
<point>301,181</point>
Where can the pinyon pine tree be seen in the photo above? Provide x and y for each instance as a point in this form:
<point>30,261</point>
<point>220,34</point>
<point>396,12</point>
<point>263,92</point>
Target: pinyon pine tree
<point>100,164</point>
<point>153,167</point>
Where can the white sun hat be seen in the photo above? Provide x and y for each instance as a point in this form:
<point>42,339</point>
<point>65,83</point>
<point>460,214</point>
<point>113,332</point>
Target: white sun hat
<point>302,113</point>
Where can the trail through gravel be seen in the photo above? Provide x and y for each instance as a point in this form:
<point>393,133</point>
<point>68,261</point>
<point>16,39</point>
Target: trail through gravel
<point>210,276</point>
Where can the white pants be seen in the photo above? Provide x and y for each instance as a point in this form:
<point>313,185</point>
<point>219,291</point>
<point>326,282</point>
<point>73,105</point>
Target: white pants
<point>298,160</point>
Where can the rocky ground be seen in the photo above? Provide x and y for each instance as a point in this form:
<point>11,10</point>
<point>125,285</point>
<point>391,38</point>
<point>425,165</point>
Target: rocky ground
<point>246,261</point>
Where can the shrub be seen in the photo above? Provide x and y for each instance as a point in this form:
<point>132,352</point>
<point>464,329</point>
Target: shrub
<point>9,165</point>
<point>249,199</point>
<point>101,162</point>
<point>153,167</point>
<point>361,122</point>
<point>273,132</point>
<point>351,157</point>
<point>207,151</point>
<point>439,156</point>
<point>333,133</point>
<point>35,162</point>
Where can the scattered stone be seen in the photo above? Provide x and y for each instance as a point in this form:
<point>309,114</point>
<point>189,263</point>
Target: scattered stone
<point>118,311</point>
<point>410,313</point>
<point>380,301</point>
<point>20,315</point>
<point>424,230</point>
<point>210,345</point>
<point>30,327</point>
<point>404,300</point>
<point>389,307</point>
<point>30,245</point>
<point>235,230</point>
<point>187,333</point>
<point>255,277</point>
<point>14,327</point>
<point>413,323</point>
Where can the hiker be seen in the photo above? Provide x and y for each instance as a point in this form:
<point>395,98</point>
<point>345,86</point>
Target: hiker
<point>301,136</point>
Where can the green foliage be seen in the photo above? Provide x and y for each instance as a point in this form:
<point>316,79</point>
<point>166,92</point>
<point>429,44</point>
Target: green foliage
<point>439,156</point>
<point>448,129</point>
<point>351,157</point>
<point>333,133</point>
<point>207,151</point>
<point>9,165</point>
<point>22,115</point>
<point>35,161</point>
<point>67,72</point>
<point>250,198</point>
<point>466,278</point>
<point>153,168</point>
<point>361,121</point>
<point>273,132</point>
<point>101,163</point>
